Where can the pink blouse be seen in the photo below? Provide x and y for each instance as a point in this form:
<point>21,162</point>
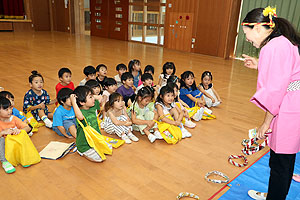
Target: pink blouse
<point>278,66</point>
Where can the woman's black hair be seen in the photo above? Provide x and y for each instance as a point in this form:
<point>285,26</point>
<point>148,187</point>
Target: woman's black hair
<point>62,71</point>
<point>144,92</point>
<point>168,65</point>
<point>82,92</point>
<point>149,68</point>
<point>282,26</point>
<point>4,103</point>
<point>132,63</point>
<point>173,79</point>
<point>163,91</point>
<point>33,75</point>
<point>109,82</point>
<point>63,94</point>
<point>173,85</point>
<point>206,73</point>
<point>112,98</point>
<point>184,76</point>
<point>7,94</point>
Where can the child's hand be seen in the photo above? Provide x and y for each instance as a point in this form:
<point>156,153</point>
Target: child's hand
<point>150,124</point>
<point>26,121</point>
<point>70,137</point>
<point>185,114</point>
<point>176,123</point>
<point>42,106</point>
<point>128,123</point>
<point>16,131</point>
<point>73,97</point>
<point>213,100</point>
<point>5,132</point>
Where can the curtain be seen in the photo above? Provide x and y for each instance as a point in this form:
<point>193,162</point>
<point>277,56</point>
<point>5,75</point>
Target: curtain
<point>12,9</point>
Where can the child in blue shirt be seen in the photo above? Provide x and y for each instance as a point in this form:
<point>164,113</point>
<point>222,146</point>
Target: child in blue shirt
<point>189,92</point>
<point>64,122</point>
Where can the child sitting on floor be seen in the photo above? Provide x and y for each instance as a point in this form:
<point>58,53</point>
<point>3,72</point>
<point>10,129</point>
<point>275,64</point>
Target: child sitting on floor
<point>186,119</point>
<point>90,73</point>
<point>121,69</point>
<point>116,119</point>
<point>189,93</point>
<point>126,89</point>
<point>147,80</point>
<point>211,96</point>
<point>168,70</point>
<point>85,108</point>
<point>134,67</point>
<point>9,125</point>
<point>15,111</point>
<point>142,114</point>
<point>64,122</point>
<point>110,86</point>
<point>101,71</point>
<point>37,99</point>
<point>168,110</point>
<point>148,69</point>
<point>65,78</point>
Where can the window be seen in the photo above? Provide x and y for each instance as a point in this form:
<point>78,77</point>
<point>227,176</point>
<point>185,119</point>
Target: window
<point>146,21</point>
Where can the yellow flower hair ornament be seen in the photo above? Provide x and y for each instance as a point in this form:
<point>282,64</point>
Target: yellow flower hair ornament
<point>271,12</point>
<point>268,11</point>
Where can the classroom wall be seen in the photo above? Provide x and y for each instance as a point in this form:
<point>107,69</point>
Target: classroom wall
<point>214,24</point>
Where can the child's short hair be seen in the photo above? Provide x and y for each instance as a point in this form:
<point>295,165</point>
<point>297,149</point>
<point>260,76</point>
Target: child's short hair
<point>109,82</point>
<point>6,94</point>
<point>206,73</point>
<point>149,68</point>
<point>89,70</point>
<point>4,103</point>
<point>100,66</point>
<point>62,71</point>
<point>82,92</point>
<point>146,76</point>
<point>121,66</point>
<point>33,75</point>
<point>112,98</point>
<point>92,84</point>
<point>173,85</point>
<point>126,75</point>
<point>63,94</point>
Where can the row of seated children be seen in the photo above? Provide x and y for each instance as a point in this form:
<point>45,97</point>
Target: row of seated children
<point>135,88</point>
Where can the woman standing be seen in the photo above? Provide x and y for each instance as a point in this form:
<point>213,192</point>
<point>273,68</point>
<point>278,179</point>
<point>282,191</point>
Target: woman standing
<point>277,93</point>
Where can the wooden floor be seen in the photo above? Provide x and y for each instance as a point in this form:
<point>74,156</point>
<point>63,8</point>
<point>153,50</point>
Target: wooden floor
<point>141,170</point>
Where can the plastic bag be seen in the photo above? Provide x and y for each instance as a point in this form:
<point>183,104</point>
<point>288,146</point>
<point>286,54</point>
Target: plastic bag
<point>102,144</point>
<point>33,122</point>
<point>171,134</point>
<point>19,149</point>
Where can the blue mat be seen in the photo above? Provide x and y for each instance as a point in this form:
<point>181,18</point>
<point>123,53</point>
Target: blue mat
<point>257,178</point>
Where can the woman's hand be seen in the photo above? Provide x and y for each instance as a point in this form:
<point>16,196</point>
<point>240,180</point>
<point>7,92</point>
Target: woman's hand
<point>262,130</point>
<point>250,62</point>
